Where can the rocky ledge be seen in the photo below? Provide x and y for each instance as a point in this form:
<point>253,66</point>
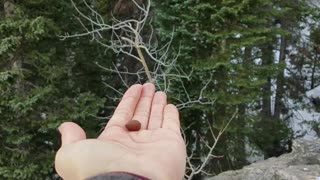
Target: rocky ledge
<point>303,163</point>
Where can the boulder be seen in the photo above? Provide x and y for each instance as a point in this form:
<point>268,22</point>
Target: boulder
<point>303,163</point>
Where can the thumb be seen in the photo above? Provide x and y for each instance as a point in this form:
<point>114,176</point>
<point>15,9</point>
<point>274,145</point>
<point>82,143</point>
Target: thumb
<point>71,132</point>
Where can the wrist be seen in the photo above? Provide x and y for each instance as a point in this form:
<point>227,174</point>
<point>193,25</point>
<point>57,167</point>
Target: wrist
<point>81,161</point>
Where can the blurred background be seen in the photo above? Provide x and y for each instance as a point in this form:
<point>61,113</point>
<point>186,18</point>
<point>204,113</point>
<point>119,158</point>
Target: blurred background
<point>251,70</point>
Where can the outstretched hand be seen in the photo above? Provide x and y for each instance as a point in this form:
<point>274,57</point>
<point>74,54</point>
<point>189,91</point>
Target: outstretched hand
<point>157,151</point>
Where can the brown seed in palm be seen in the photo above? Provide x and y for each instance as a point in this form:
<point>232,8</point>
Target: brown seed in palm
<point>133,125</point>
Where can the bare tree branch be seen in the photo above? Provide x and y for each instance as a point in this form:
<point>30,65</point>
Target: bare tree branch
<point>127,39</point>
<point>209,155</point>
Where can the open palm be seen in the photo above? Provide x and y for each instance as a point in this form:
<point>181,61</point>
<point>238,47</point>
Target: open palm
<point>157,151</point>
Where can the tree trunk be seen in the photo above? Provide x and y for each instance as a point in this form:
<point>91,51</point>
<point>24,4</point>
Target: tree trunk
<point>267,60</point>
<point>125,10</point>
<point>242,111</point>
<point>314,65</point>
<point>278,105</point>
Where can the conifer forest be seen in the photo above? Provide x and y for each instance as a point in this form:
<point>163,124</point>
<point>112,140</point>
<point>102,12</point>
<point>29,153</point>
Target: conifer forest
<point>244,74</point>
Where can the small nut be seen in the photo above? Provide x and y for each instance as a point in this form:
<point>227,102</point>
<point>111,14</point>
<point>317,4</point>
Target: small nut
<point>133,125</point>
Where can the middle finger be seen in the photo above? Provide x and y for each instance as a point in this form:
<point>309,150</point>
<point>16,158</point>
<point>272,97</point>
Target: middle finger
<point>142,111</point>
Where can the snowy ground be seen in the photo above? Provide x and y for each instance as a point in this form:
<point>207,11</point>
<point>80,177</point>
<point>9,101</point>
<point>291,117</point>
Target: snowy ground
<point>302,116</point>
<point>299,123</point>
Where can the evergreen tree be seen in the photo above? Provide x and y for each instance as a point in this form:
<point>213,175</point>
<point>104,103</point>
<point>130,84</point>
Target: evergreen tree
<point>234,43</point>
<point>43,82</point>
<point>228,45</point>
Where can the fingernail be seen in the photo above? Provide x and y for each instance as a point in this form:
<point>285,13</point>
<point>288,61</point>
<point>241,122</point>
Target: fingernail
<point>148,90</point>
<point>133,91</point>
<point>148,84</point>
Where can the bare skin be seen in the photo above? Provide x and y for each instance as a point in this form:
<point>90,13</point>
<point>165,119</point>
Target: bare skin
<point>157,151</point>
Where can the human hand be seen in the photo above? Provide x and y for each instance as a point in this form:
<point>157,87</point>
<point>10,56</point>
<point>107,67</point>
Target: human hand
<point>157,151</point>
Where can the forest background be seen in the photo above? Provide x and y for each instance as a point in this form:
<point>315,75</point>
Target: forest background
<point>246,66</point>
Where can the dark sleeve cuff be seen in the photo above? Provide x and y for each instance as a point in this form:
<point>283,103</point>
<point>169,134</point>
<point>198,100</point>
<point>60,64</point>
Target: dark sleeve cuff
<point>118,176</point>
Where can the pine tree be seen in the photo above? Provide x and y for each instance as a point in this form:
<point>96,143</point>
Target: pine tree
<point>233,43</point>
<point>43,82</point>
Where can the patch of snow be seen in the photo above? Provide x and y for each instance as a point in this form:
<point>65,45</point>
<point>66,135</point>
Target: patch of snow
<point>314,93</point>
<point>299,120</point>
<point>304,113</point>
<point>253,154</point>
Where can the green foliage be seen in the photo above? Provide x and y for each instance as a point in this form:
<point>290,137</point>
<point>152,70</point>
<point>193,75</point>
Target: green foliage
<point>271,145</point>
<point>43,82</point>
<point>233,42</point>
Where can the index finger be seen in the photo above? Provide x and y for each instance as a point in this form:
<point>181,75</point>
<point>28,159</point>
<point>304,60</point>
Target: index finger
<point>126,107</point>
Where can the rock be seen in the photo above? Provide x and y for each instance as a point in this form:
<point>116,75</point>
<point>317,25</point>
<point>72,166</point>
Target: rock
<point>303,163</point>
